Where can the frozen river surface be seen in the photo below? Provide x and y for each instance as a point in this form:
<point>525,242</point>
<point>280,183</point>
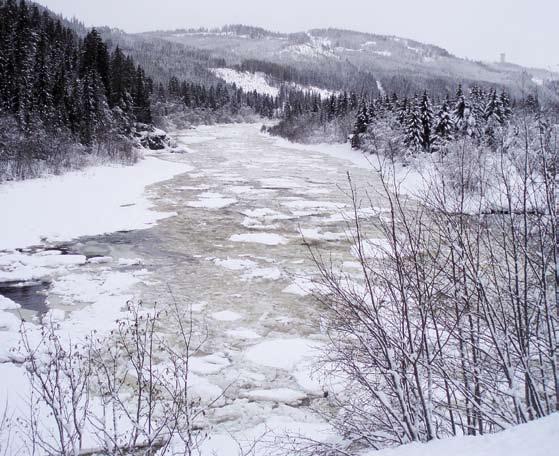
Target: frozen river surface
<point>233,254</point>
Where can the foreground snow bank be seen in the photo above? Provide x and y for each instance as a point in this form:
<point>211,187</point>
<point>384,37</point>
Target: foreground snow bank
<point>98,200</point>
<point>537,438</point>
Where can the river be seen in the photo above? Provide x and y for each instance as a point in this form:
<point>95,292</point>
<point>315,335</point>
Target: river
<point>234,255</point>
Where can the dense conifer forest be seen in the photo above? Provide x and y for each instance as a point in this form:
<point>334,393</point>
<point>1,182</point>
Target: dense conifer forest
<point>63,98</point>
<point>419,123</point>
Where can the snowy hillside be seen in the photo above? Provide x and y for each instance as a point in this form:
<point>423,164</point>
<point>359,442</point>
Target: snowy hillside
<point>259,82</point>
<point>249,82</point>
<point>340,59</point>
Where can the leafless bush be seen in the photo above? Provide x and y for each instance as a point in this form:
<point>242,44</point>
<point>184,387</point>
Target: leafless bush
<point>5,431</point>
<point>29,155</point>
<point>130,390</point>
<point>59,378</point>
<point>451,326</point>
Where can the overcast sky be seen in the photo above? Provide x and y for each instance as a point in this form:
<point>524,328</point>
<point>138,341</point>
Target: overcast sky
<point>526,30</point>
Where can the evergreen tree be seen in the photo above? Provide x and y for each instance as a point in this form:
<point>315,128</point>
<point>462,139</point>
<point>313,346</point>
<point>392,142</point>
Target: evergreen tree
<point>459,112</point>
<point>413,135</point>
<point>52,80</point>
<point>426,117</point>
<point>444,125</point>
<point>361,125</point>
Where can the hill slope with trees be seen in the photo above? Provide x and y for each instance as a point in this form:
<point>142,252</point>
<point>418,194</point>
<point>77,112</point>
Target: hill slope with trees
<point>63,99</point>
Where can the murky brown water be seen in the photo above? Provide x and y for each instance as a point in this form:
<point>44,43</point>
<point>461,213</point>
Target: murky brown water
<point>299,190</point>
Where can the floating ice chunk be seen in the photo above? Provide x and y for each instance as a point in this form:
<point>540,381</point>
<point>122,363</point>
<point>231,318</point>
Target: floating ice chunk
<point>226,315</point>
<point>236,264</point>
<point>247,334</point>
<point>53,316</point>
<point>372,248</point>
<point>204,389</point>
<point>279,182</point>
<point>212,201</point>
<point>263,273</point>
<point>301,286</point>
<point>198,306</point>
<point>100,260</point>
<point>259,238</point>
<point>208,365</point>
<point>317,235</point>
<point>282,353</point>
<point>286,395</point>
<point>317,205</point>
<point>130,261</point>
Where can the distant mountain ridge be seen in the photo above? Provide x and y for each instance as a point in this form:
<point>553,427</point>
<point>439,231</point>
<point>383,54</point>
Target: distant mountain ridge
<point>395,62</point>
<point>328,58</point>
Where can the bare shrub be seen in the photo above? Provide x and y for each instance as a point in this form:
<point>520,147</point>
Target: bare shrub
<point>127,393</point>
<point>450,327</point>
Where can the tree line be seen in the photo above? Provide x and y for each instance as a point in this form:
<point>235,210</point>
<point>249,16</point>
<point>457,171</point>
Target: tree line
<point>50,78</point>
<point>420,123</point>
<point>218,97</point>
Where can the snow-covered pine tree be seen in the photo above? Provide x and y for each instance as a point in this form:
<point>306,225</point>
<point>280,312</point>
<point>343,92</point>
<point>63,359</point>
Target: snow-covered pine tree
<point>506,105</point>
<point>459,112</point>
<point>402,111</point>
<point>361,125</point>
<point>413,135</point>
<point>444,126</point>
<point>493,117</point>
<point>426,117</point>
<point>371,110</point>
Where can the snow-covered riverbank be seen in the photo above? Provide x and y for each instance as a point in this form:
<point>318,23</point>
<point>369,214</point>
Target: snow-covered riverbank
<point>98,200</point>
<point>43,281</point>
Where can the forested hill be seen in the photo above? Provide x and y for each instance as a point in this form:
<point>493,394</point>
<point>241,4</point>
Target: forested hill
<point>341,60</point>
<point>50,78</point>
<point>56,87</point>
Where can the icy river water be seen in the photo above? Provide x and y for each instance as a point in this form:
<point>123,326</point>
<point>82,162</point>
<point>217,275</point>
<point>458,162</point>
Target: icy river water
<point>235,255</point>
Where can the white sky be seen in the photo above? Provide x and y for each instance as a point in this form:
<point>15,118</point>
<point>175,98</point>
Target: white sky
<point>527,30</point>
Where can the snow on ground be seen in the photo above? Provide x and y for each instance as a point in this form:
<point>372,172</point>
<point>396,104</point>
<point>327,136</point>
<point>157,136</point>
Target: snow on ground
<point>83,295</point>
<point>316,48</point>
<point>324,93</point>
<point>98,200</point>
<point>380,88</point>
<point>537,438</point>
<point>8,304</point>
<point>265,438</point>
<point>340,151</point>
<point>258,82</point>
<point>249,82</point>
